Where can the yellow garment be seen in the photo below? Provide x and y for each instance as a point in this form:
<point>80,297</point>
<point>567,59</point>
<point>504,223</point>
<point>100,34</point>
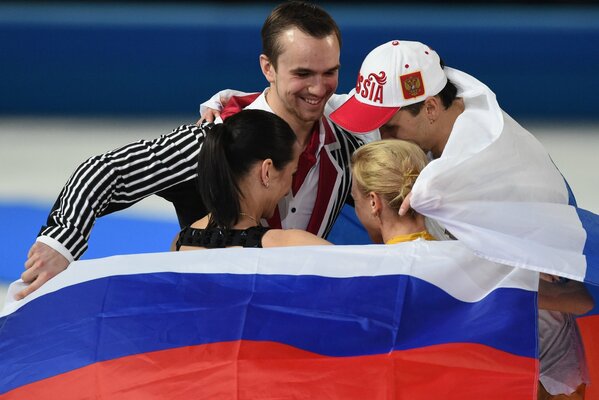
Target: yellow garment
<point>409,237</point>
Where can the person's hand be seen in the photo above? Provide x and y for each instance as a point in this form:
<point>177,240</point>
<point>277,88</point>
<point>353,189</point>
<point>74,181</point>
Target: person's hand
<point>43,263</point>
<point>549,278</point>
<point>209,116</point>
<point>405,205</point>
<point>564,295</point>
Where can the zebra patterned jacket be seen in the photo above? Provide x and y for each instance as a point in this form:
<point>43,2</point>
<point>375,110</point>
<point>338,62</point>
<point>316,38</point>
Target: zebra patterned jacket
<point>167,167</point>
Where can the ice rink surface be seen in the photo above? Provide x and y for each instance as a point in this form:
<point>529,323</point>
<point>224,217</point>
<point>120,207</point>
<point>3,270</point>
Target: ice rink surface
<point>37,155</point>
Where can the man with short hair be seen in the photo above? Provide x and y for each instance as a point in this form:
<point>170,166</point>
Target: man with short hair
<point>301,45</point>
<point>491,183</point>
<point>420,104</point>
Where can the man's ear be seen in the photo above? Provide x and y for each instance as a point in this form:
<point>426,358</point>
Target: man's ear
<point>433,107</point>
<point>267,68</point>
<point>265,169</point>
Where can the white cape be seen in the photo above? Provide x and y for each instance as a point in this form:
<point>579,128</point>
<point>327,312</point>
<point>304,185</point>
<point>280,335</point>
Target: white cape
<point>496,189</point>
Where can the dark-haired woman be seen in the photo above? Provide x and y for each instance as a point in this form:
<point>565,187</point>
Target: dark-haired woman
<point>248,163</point>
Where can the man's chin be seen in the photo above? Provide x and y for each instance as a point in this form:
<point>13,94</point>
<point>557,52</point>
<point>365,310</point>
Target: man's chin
<point>312,115</point>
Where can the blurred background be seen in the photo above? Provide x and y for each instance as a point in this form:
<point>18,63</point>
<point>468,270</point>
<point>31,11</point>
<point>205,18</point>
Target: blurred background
<point>80,78</point>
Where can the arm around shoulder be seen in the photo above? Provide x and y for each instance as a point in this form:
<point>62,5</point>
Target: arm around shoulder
<point>117,179</point>
<point>211,108</point>
<point>103,184</point>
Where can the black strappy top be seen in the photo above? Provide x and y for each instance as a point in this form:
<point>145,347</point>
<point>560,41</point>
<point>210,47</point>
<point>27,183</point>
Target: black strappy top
<point>213,238</point>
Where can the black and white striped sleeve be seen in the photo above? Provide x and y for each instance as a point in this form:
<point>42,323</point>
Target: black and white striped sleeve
<point>117,179</point>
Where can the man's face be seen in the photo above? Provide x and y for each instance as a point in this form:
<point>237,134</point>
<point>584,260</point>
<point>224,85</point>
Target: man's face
<point>305,77</point>
<point>403,125</point>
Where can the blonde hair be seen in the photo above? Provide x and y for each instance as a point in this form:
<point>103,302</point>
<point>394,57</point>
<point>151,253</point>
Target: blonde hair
<point>389,168</point>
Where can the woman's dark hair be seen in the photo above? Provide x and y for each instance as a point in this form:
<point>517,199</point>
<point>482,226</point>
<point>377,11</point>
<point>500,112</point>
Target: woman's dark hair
<point>229,151</point>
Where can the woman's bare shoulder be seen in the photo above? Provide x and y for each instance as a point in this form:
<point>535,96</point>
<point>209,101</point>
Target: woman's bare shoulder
<point>201,223</point>
<point>291,237</point>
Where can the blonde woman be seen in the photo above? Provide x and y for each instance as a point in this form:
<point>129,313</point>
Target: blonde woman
<point>383,174</point>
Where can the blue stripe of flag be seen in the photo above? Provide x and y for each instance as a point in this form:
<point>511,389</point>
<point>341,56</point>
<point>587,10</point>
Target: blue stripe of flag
<point>124,315</point>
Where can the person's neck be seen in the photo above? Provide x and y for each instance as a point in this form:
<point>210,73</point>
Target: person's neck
<point>246,220</point>
<point>445,125</point>
<point>304,133</point>
<point>250,214</point>
<point>395,225</point>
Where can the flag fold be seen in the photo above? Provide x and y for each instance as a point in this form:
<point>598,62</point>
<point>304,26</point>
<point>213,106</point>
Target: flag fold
<point>406,321</point>
<point>496,189</point>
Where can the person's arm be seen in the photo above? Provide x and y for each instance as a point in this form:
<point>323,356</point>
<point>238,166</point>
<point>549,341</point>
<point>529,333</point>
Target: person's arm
<point>173,246</point>
<point>564,295</point>
<point>211,108</point>
<point>292,237</point>
<point>336,101</point>
<point>104,184</point>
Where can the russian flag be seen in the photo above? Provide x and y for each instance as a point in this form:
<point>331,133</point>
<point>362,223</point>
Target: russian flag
<point>497,190</point>
<point>416,320</point>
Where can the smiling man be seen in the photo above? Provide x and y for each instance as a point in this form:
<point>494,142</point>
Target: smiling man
<point>302,69</point>
<point>300,60</point>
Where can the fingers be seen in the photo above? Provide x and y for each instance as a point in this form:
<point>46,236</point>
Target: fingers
<point>32,272</point>
<point>209,116</point>
<point>39,281</point>
<point>547,277</point>
<point>38,274</point>
<point>31,259</point>
<point>42,264</point>
<point>36,252</point>
<point>33,249</point>
<point>33,256</point>
<point>405,205</point>
<point>34,277</point>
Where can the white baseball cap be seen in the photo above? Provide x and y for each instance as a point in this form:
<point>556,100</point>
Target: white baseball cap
<point>393,75</point>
